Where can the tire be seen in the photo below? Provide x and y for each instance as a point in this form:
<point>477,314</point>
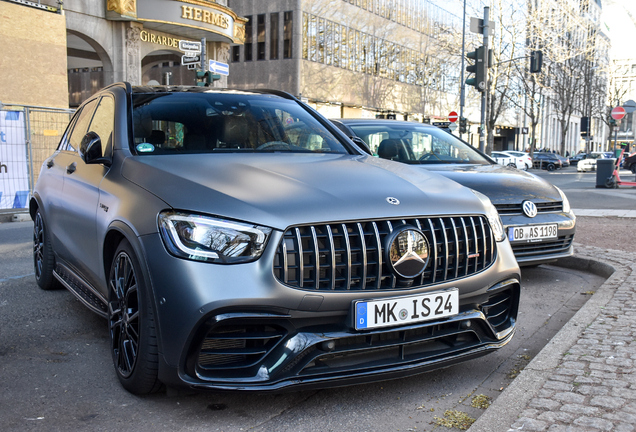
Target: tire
<point>551,167</point>
<point>633,168</point>
<point>527,167</point>
<point>43,258</point>
<point>511,165</point>
<point>131,324</point>
<point>610,182</point>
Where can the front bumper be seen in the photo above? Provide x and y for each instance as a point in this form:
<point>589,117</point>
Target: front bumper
<point>548,250</point>
<point>235,327</point>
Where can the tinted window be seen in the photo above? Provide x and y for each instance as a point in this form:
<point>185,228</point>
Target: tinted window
<point>103,123</point>
<point>226,122</point>
<point>80,128</point>
<point>412,143</point>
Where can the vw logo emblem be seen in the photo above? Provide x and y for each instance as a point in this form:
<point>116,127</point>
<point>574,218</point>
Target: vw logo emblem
<point>529,209</point>
<point>407,252</point>
<point>393,201</point>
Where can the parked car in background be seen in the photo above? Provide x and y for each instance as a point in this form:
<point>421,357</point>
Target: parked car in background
<point>574,160</point>
<point>565,162</point>
<point>546,161</point>
<point>537,216</point>
<point>228,254</point>
<point>589,163</point>
<point>629,162</point>
<point>505,158</point>
<point>522,156</point>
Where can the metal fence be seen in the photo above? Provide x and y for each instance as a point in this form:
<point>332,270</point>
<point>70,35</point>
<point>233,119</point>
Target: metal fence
<point>28,135</point>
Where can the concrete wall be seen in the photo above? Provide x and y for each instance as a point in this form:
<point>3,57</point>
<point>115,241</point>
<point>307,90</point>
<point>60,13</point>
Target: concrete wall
<point>33,61</point>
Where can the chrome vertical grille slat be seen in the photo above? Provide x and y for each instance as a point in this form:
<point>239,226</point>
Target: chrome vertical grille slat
<point>345,233</point>
<point>456,237</point>
<point>466,247</point>
<point>363,247</point>
<point>349,256</point>
<point>445,246</point>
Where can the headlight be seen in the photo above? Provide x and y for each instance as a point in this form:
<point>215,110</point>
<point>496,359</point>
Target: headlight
<point>493,216</point>
<point>204,238</point>
<point>566,202</point>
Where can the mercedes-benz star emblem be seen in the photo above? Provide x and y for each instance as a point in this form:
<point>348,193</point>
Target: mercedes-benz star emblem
<point>529,209</point>
<point>393,201</point>
<point>408,252</point>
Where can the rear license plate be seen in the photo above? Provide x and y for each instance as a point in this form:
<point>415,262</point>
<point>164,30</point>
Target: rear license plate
<point>406,310</point>
<point>532,233</point>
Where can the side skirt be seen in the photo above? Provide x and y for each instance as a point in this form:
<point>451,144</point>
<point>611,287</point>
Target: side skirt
<point>88,295</point>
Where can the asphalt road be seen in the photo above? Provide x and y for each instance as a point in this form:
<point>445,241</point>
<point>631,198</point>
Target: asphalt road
<point>56,372</point>
<point>582,193</point>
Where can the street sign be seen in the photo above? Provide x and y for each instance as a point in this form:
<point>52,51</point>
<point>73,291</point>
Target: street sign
<point>192,66</point>
<point>190,46</point>
<point>618,113</point>
<point>219,68</point>
<point>453,117</point>
<point>185,60</point>
<point>630,106</point>
<point>191,53</point>
<point>452,127</point>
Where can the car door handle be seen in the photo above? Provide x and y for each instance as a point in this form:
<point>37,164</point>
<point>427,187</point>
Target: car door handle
<point>50,163</point>
<point>71,168</point>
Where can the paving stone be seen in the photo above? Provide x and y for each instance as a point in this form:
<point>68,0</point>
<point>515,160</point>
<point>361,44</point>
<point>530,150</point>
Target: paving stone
<point>623,427</point>
<point>590,390</point>
<point>603,367</point>
<point>528,424</point>
<point>624,393</point>
<point>545,403</point>
<point>558,385</point>
<point>607,402</point>
<point>621,417</point>
<point>580,409</point>
<point>594,422</point>
<point>568,397</point>
<point>557,416</point>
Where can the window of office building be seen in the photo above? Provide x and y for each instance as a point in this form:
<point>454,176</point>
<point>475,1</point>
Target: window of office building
<point>273,36</point>
<point>337,45</point>
<point>248,39</point>
<point>260,22</point>
<point>287,34</point>
<point>236,53</point>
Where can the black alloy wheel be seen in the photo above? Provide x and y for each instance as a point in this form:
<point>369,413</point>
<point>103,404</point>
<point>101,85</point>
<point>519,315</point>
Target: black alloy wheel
<point>43,258</point>
<point>131,324</point>
<point>551,167</point>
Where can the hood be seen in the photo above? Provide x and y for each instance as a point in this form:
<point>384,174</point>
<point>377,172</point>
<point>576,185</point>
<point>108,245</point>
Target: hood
<point>502,184</point>
<point>283,189</point>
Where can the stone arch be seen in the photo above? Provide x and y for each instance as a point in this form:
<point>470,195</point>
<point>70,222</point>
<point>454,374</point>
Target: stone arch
<point>156,63</point>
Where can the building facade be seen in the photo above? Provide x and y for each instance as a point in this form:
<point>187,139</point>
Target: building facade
<point>353,58</point>
<point>107,41</point>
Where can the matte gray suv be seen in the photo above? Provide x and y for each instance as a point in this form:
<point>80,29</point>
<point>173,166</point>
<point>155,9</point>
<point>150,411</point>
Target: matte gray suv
<point>236,240</point>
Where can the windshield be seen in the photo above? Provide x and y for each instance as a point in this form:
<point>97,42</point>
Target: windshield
<point>416,144</point>
<point>208,122</point>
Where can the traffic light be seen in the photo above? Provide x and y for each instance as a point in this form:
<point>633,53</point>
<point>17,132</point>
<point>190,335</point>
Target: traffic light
<point>536,61</point>
<point>205,78</point>
<point>463,125</point>
<point>479,68</point>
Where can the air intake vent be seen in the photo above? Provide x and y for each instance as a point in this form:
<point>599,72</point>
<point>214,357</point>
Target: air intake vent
<point>516,209</point>
<point>349,256</point>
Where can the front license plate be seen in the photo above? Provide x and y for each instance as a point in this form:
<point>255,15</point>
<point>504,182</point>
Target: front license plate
<point>532,233</point>
<point>406,310</point>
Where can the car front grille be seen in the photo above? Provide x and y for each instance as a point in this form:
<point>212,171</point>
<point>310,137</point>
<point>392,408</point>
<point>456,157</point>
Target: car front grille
<point>528,250</point>
<point>350,256</point>
<point>516,208</point>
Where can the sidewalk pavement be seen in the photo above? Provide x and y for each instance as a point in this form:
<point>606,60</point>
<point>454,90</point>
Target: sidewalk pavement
<point>584,379</point>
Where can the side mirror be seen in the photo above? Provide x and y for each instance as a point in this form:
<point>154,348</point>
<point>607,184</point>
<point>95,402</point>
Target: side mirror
<point>91,150</point>
<point>360,143</point>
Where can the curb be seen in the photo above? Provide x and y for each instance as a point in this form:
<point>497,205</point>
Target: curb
<point>22,216</point>
<point>509,405</point>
